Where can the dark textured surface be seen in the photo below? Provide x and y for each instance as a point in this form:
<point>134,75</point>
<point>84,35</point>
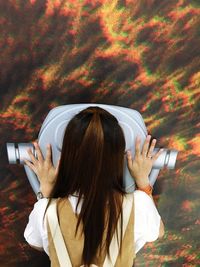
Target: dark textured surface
<point>139,54</point>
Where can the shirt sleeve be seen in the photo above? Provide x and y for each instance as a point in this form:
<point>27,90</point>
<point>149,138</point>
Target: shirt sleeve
<point>35,232</point>
<point>147,220</point>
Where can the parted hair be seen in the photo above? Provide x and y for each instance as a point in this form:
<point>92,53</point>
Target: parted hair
<point>91,166</point>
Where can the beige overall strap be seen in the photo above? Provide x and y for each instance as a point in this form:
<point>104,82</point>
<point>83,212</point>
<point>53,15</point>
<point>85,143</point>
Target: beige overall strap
<point>114,248</point>
<point>61,251</point>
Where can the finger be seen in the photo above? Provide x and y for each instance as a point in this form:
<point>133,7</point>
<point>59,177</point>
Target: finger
<point>29,164</point>
<point>151,149</point>
<point>146,146</point>
<point>33,159</point>
<point>157,154</point>
<point>137,146</point>
<point>129,158</point>
<point>38,152</point>
<point>57,167</point>
<point>48,155</point>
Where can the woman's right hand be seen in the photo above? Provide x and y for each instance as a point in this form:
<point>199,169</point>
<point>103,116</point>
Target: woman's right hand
<point>140,167</point>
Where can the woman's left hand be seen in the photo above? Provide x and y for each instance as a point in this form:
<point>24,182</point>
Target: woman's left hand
<point>43,168</point>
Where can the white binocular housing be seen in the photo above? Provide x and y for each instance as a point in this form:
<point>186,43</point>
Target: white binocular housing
<point>53,128</point>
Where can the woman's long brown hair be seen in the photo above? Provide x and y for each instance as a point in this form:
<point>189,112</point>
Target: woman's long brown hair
<point>91,164</point>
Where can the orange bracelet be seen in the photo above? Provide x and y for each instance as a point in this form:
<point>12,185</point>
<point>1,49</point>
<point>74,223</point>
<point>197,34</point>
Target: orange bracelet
<point>148,189</point>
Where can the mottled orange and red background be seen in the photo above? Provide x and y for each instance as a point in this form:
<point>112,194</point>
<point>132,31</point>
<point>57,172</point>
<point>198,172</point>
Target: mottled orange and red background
<point>142,54</point>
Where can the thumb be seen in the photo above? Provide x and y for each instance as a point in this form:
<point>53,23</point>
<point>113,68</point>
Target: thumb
<point>57,167</point>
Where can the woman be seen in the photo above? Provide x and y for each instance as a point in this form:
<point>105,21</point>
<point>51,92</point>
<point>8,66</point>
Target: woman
<point>89,176</point>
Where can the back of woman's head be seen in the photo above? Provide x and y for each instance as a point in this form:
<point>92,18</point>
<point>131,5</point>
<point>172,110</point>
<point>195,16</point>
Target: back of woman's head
<point>91,165</point>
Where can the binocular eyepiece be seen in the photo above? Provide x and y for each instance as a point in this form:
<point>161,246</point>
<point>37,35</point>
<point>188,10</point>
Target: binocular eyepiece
<point>16,153</point>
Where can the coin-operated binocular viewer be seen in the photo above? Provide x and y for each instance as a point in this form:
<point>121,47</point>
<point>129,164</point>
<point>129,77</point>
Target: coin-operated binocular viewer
<point>53,128</point>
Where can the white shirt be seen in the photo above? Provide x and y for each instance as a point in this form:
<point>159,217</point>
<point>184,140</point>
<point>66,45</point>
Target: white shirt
<point>146,222</point>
